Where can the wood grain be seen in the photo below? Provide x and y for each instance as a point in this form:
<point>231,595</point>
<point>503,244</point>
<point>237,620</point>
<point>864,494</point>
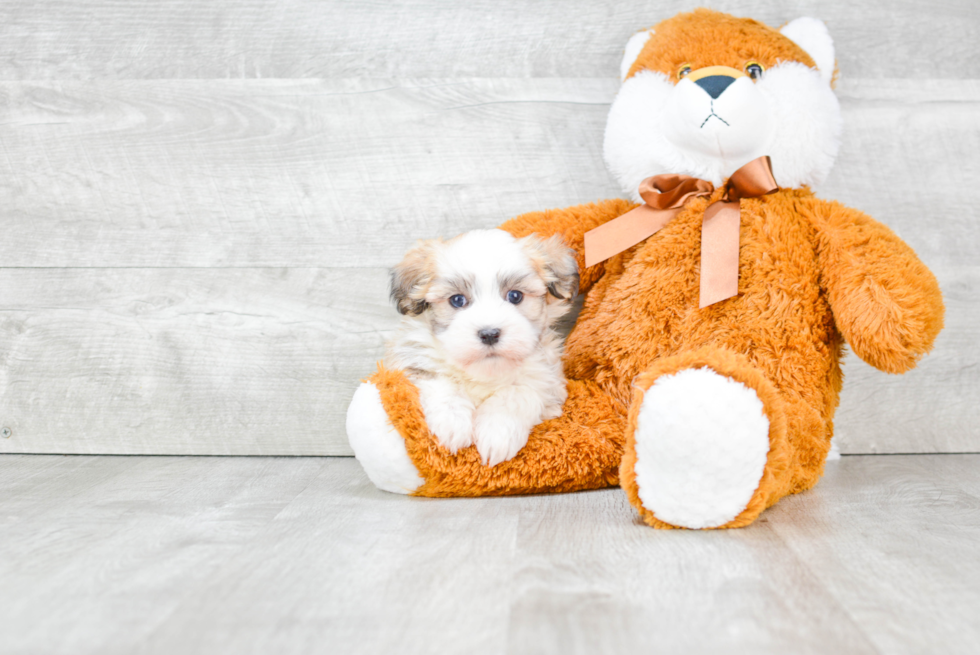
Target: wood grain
<point>60,39</point>
<point>343,173</point>
<point>186,361</point>
<point>264,362</point>
<point>349,173</point>
<point>192,255</point>
<point>293,555</point>
<point>926,567</point>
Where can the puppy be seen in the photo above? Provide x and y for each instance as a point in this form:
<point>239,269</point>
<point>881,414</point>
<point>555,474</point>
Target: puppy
<point>477,336</point>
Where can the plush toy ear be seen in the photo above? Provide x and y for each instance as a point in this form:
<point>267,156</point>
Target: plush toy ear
<point>633,48</point>
<point>812,35</point>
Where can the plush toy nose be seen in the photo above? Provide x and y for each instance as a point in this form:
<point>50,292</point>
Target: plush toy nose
<point>715,85</point>
<point>489,336</point>
<point>715,79</point>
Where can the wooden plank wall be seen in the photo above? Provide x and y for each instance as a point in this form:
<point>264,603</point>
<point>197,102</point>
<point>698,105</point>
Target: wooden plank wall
<point>199,200</point>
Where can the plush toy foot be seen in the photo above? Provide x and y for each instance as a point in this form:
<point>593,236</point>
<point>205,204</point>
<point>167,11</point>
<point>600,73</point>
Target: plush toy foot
<point>701,444</point>
<point>377,445</point>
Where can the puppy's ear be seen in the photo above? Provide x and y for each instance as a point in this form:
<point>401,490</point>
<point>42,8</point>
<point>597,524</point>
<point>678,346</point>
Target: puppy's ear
<point>555,263</point>
<point>410,279</point>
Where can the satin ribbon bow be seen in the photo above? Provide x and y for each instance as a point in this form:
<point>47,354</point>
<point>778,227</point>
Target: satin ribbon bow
<point>664,197</point>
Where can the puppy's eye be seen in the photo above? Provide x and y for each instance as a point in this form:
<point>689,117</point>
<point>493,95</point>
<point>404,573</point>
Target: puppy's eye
<point>754,69</point>
<point>683,72</point>
<point>515,297</point>
<point>458,301</point>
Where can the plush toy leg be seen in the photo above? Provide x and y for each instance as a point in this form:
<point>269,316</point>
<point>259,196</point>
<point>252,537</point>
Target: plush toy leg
<point>706,443</point>
<point>579,450</point>
<point>377,445</point>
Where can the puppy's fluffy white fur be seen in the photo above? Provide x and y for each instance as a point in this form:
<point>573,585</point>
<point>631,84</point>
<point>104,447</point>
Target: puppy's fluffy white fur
<point>477,387</point>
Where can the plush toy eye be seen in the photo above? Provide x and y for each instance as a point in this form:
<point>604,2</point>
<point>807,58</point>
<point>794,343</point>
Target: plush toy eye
<point>515,297</point>
<point>754,69</point>
<point>683,72</point>
<point>458,301</point>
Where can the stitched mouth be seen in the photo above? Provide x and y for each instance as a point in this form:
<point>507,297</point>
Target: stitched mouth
<point>713,115</point>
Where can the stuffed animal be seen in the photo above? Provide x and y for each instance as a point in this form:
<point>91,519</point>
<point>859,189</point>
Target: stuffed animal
<point>704,368</point>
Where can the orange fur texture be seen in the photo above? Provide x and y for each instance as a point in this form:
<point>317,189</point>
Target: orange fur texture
<point>710,38</point>
<point>581,449</point>
<point>812,273</point>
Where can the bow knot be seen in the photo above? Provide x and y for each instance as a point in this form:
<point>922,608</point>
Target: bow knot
<point>664,196</point>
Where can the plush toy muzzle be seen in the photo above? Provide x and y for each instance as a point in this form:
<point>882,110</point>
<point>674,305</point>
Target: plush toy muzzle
<point>718,112</point>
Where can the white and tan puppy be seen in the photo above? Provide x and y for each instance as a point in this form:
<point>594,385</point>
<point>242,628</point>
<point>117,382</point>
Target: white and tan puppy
<point>477,336</point>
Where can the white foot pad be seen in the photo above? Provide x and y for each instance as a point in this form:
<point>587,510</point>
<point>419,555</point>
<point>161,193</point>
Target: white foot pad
<point>377,445</point>
<point>701,446</point>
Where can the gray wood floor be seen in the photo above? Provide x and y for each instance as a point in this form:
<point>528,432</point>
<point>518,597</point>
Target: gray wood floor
<point>299,555</point>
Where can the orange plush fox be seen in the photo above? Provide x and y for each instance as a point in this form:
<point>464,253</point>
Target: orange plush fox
<point>704,415</point>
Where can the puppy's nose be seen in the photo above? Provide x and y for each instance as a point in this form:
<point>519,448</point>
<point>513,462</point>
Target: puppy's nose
<point>489,336</point>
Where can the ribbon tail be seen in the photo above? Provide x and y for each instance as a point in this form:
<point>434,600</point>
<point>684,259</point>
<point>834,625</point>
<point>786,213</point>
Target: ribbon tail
<point>624,232</point>
<point>719,252</point>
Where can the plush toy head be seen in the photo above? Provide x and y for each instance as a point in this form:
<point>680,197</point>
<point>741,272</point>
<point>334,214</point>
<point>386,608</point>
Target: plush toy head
<point>704,93</point>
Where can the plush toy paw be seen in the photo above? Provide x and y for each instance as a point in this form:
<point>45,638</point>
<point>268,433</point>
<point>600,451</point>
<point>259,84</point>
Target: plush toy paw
<point>377,445</point>
<point>499,436</point>
<point>702,440</point>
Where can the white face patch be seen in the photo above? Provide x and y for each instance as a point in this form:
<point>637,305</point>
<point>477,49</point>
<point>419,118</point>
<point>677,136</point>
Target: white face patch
<point>806,122</point>
<point>790,114</point>
<point>485,272</point>
<point>730,128</point>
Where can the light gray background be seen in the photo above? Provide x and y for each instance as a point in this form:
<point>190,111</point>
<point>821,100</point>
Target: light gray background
<point>198,201</point>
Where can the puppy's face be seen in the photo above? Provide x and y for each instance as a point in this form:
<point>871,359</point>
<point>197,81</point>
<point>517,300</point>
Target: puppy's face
<point>486,296</point>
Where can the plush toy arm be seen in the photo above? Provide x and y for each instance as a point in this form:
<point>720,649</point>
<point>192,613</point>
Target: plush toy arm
<point>571,223</point>
<point>886,303</point>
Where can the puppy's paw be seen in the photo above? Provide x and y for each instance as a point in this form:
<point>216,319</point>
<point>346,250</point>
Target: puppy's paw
<point>554,411</point>
<point>452,424</point>
<point>448,413</point>
<point>498,437</point>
